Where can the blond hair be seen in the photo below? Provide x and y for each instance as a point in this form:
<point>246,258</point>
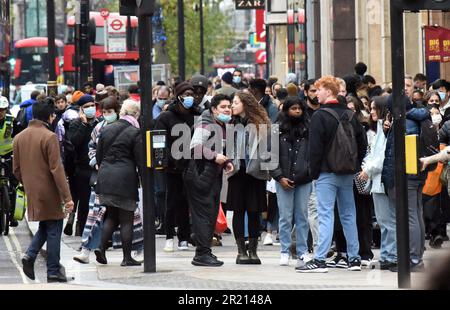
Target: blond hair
<point>130,107</point>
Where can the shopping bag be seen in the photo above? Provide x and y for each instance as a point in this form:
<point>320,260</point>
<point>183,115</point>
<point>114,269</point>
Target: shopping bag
<point>21,203</point>
<point>221,222</point>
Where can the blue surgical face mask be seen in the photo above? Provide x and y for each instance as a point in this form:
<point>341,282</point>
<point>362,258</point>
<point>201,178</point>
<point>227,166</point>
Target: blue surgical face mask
<point>110,118</point>
<point>161,102</point>
<point>442,95</point>
<point>187,102</point>
<point>236,79</point>
<point>223,118</point>
<point>90,112</point>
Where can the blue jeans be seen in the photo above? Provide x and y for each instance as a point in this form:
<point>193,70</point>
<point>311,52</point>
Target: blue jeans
<point>385,214</point>
<point>293,204</point>
<point>50,232</point>
<point>330,187</point>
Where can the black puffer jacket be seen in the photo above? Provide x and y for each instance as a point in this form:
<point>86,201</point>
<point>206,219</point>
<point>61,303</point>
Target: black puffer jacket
<point>80,135</point>
<point>293,161</point>
<point>166,121</point>
<point>118,157</point>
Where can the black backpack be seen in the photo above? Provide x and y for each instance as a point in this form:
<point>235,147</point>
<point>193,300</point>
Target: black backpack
<point>342,157</point>
<point>428,141</point>
<point>22,118</point>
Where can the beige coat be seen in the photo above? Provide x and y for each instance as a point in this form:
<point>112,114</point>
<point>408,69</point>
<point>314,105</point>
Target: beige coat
<point>37,165</point>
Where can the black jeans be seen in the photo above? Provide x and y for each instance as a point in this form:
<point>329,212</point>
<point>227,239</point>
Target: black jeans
<point>83,192</point>
<point>204,202</point>
<point>160,196</point>
<point>177,208</point>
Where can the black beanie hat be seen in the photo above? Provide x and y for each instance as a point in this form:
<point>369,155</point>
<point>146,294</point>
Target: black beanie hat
<point>227,77</point>
<point>182,87</point>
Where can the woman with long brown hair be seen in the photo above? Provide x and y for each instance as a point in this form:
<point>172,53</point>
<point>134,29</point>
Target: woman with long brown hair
<point>247,183</point>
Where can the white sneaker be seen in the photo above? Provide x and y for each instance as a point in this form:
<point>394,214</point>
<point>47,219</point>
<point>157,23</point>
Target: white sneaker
<point>183,246</point>
<point>302,260</point>
<point>83,257</point>
<point>268,240</point>
<point>284,259</point>
<point>168,247</point>
<point>139,256</point>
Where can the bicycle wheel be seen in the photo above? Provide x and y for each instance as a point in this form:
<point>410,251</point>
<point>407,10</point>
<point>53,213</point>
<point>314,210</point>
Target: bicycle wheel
<point>6,213</point>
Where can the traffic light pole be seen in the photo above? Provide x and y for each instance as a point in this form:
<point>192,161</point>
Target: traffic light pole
<point>85,52</point>
<point>202,41</point>
<point>399,111</point>
<point>181,45</point>
<point>52,86</point>
<point>145,71</point>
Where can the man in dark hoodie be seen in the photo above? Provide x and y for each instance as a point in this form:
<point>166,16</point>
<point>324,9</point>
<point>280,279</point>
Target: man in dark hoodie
<point>181,111</point>
<point>331,184</point>
<point>258,88</point>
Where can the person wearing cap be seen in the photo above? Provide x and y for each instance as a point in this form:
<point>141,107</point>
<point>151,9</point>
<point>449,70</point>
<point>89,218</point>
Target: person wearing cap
<point>79,135</point>
<point>227,88</point>
<point>181,111</point>
<point>200,84</point>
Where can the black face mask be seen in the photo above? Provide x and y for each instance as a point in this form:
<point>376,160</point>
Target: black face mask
<point>314,101</point>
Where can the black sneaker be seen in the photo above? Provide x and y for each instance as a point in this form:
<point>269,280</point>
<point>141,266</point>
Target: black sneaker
<point>354,265</point>
<point>386,265</point>
<point>206,260</point>
<point>414,267</point>
<point>313,266</point>
<point>339,261</point>
<point>436,242</point>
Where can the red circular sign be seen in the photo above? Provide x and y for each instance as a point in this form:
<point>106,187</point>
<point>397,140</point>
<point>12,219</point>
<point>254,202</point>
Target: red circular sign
<point>104,13</point>
<point>116,24</point>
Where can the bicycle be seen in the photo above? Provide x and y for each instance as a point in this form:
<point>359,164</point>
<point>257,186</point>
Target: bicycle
<point>7,191</point>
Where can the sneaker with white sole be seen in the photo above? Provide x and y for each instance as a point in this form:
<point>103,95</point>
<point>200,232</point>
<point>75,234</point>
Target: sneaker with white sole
<point>139,256</point>
<point>354,265</point>
<point>284,259</point>
<point>268,239</point>
<point>168,247</point>
<point>366,262</point>
<point>183,246</point>
<point>302,260</point>
<point>313,266</point>
<point>83,257</point>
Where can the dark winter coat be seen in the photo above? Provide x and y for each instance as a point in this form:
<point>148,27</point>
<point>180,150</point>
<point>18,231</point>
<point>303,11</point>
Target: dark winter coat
<point>444,133</point>
<point>270,107</point>
<point>80,135</point>
<point>166,121</point>
<point>118,157</point>
<point>322,130</point>
<point>293,157</point>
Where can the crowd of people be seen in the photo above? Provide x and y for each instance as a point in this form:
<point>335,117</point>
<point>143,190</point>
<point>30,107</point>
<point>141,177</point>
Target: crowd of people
<point>329,191</point>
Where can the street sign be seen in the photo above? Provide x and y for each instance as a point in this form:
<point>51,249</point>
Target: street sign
<point>249,4</point>
<point>117,34</point>
<point>104,13</point>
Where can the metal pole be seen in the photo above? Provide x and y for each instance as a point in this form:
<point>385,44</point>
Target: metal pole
<point>267,51</point>
<point>399,110</point>
<point>8,48</point>
<point>181,46</point>
<point>202,43</point>
<point>37,18</point>
<point>84,42</point>
<point>145,71</point>
<point>52,87</point>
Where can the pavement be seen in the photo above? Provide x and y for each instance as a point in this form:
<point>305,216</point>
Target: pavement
<point>174,271</point>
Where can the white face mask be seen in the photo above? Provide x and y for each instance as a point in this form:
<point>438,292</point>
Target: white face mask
<point>436,119</point>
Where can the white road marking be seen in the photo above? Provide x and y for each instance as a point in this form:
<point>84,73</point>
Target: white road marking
<point>14,260</point>
<point>19,249</point>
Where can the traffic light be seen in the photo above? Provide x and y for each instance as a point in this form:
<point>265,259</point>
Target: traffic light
<point>137,7</point>
<point>127,7</point>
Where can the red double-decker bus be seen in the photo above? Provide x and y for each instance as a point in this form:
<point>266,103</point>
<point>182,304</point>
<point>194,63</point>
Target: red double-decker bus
<point>4,47</point>
<point>103,62</point>
<point>31,57</point>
